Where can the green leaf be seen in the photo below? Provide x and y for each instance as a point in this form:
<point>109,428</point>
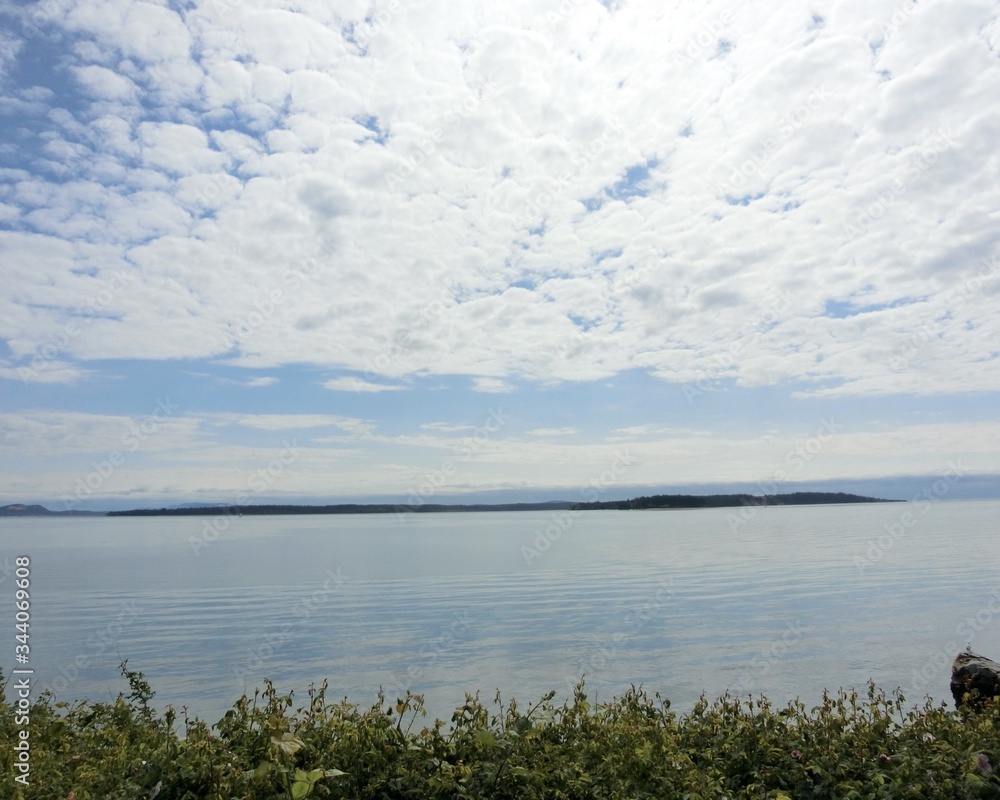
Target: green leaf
<point>486,738</point>
<point>288,744</point>
<point>262,769</point>
<point>522,725</point>
<point>334,773</point>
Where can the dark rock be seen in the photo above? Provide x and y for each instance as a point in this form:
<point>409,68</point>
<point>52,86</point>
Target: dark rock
<point>972,673</point>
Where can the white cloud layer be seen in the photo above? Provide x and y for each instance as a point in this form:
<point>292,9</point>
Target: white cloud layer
<point>193,457</point>
<point>390,201</point>
<point>554,191</point>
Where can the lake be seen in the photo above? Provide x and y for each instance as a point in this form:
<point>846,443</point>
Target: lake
<point>782,601</point>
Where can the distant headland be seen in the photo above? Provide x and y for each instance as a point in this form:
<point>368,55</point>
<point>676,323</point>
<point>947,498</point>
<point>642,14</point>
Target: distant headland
<point>651,502</point>
<point>22,510</point>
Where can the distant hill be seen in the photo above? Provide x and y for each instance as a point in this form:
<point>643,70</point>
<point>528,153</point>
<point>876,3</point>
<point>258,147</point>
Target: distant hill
<point>728,500</point>
<point>343,508</point>
<point>21,510</point>
<point>662,501</point>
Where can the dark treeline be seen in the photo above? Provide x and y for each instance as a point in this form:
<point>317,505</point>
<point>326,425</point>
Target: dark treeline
<point>635,503</point>
<point>342,508</point>
<point>728,500</point>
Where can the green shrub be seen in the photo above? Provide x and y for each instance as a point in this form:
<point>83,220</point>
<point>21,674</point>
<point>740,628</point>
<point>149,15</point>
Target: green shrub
<point>849,746</point>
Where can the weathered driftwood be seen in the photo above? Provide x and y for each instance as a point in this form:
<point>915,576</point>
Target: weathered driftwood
<point>972,673</point>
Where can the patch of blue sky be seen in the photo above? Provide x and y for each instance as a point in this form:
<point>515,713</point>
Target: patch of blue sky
<point>348,32</point>
<point>37,64</point>
<point>24,124</point>
<point>635,183</point>
<point>744,200</point>
<point>841,309</point>
<point>371,123</point>
<point>207,387</point>
<point>722,48</point>
<point>598,410</point>
<point>583,323</point>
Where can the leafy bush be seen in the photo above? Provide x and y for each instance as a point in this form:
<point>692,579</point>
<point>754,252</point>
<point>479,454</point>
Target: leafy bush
<point>849,746</point>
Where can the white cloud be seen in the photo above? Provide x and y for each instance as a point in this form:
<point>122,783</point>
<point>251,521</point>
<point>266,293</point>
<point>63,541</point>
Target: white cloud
<point>44,371</point>
<point>359,385</point>
<point>177,149</point>
<point>144,31</point>
<point>652,429</point>
<point>281,422</point>
<point>491,386</point>
<point>447,194</point>
<point>46,434</point>
<point>254,383</point>
<point>261,382</point>
<point>10,46</point>
<point>446,427</point>
<point>105,84</point>
<point>554,432</point>
<point>193,456</point>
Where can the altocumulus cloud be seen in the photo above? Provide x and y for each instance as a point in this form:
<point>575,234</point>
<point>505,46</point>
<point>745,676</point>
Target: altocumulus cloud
<point>531,194</point>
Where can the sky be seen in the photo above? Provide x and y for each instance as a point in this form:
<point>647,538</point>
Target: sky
<point>291,250</point>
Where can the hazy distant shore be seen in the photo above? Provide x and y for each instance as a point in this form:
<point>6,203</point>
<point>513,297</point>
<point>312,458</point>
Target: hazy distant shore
<point>652,502</point>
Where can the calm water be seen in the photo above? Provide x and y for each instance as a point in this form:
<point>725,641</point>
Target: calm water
<point>683,602</point>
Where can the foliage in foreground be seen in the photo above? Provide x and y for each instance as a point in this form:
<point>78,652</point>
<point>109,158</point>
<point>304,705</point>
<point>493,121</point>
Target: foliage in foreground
<point>850,746</point>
